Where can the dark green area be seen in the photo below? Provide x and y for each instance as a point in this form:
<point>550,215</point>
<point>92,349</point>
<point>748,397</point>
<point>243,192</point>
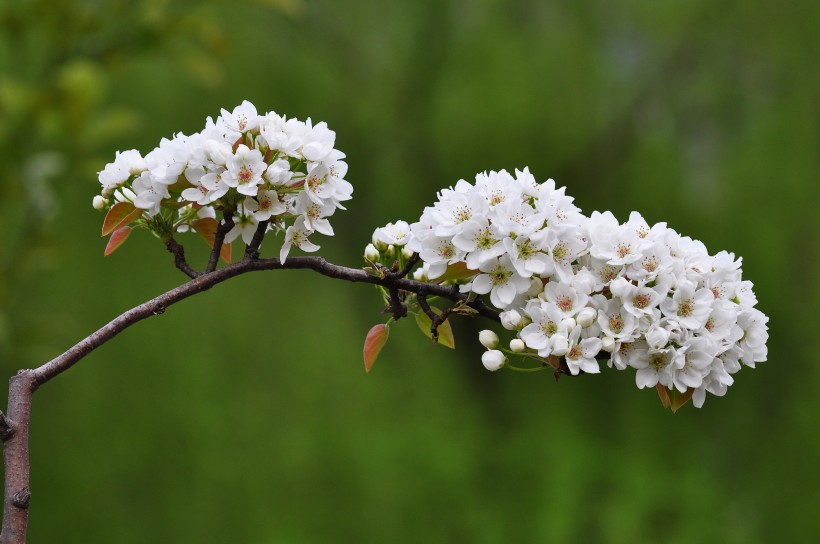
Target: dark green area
<point>244,414</point>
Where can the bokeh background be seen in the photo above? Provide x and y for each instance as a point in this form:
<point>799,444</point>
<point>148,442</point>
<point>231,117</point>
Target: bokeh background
<point>244,414</point>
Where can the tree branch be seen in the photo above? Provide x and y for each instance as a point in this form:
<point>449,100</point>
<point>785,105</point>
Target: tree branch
<point>219,239</point>
<point>14,427</point>
<point>179,258</point>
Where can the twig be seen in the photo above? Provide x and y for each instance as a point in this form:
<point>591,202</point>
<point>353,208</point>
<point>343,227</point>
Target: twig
<point>219,239</point>
<point>252,249</point>
<point>179,257</point>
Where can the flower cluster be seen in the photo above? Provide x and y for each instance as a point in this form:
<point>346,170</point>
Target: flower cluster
<point>580,289</point>
<point>252,168</point>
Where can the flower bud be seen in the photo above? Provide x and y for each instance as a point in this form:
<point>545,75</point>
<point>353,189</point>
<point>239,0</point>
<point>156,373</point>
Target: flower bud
<point>657,337</point>
<point>493,360</point>
<point>371,253</point>
<point>379,243</point>
<point>583,281</point>
<point>517,345</point>
<point>569,323</point>
<point>107,191</point>
<point>586,317</point>
<point>536,287</point>
<point>390,252</point>
<point>608,344</point>
<point>510,320</point>
<point>98,202</point>
<point>406,252</point>
<point>488,339</point>
<point>560,346</point>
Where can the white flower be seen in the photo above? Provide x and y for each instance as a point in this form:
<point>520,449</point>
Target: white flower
<point>244,224</point>
<point>395,234</point>
<point>493,360</point>
<point>245,169</point>
<point>565,297</point>
<point>546,323</point>
<point>689,306</point>
<point>501,281</point>
<point>297,235</point>
<point>581,355</point>
<point>656,366</point>
<point>243,118</point>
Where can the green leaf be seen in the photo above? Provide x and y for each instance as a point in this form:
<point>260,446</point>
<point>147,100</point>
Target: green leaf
<point>206,228</point>
<point>120,214</point>
<point>117,239</point>
<point>373,344</point>
<point>663,393</point>
<point>445,331</point>
<point>679,399</point>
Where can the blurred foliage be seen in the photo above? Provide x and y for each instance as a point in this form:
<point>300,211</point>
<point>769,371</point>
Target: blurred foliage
<point>244,415</point>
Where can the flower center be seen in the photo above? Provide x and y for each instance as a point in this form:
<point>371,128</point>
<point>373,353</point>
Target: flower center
<point>623,250</point>
<point>616,323</point>
<point>686,308</point>
<point>245,174</point>
<point>657,361</point>
<point>641,301</point>
<point>564,303</point>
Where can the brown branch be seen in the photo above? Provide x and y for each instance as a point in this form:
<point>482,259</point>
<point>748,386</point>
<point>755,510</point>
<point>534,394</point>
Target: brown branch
<point>179,257</point>
<point>252,249</point>
<point>219,239</point>
<point>14,427</point>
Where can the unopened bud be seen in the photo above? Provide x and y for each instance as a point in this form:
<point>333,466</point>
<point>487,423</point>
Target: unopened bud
<point>493,360</point>
<point>488,339</point>
<point>406,252</point>
<point>536,287</point>
<point>560,346</point>
<point>608,344</point>
<point>657,337</point>
<point>378,243</point>
<point>517,345</point>
<point>390,252</point>
<point>586,317</point>
<point>98,202</point>
<point>510,320</point>
<point>371,253</point>
<point>569,323</point>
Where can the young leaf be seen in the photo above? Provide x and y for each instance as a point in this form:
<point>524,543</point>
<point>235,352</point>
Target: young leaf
<point>445,331</point>
<point>117,239</point>
<point>373,344</point>
<point>679,399</point>
<point>663,393</point>
<point>120,214</point>
<point>206,228</point>
<point>457,271</point>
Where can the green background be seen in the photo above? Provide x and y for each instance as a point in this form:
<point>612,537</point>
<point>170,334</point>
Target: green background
<point>244,414</point>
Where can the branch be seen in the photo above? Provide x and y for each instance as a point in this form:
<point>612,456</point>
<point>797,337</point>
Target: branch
<point>219,239</point>
<point>14,427</point>
<point>252,249</point>
<point>179,257</point>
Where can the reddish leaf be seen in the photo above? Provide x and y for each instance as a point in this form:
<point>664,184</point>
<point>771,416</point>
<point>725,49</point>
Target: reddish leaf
<point>679,399</point>
<point>120,214</point>
<point>663,393</point>
<point>206,228</point>
<point>445,331</point>
<point>373,344</point>
<point>117,239</point>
